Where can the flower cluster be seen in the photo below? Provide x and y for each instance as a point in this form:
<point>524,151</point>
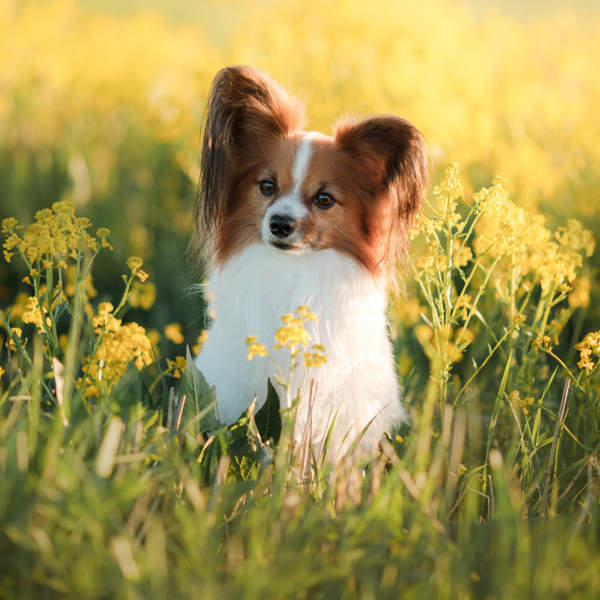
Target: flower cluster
<point>118,345</point>
<point>56,235</point>
<point>33,314</point>
<point>589,345</point>
<point>294,336</point>
<point>177,366</point>
<point>255,348</point>
<point>521,238</point>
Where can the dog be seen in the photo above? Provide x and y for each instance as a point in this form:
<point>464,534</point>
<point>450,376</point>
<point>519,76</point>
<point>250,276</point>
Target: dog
<point>292,218</point>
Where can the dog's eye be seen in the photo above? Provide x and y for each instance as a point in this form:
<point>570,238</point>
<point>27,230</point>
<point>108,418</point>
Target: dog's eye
<point>266,187</point>
<point>323,200</point>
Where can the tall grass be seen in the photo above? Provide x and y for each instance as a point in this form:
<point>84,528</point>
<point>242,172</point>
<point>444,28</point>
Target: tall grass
<point>115,478</point>
<point>118,483</point>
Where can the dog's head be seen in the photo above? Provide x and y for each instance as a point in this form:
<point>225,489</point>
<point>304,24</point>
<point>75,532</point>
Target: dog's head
<point>265,179</point>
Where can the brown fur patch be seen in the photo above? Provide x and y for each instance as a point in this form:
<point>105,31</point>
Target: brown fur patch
<point>375,169</point>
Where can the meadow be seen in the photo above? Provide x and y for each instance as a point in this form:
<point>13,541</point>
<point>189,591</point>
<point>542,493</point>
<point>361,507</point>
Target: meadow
<point>115,478</point>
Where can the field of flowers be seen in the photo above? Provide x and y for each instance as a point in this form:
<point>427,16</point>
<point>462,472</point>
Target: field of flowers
<point>116,481</point>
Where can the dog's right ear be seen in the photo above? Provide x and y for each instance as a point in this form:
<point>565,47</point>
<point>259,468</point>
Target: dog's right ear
<point>244,106</point>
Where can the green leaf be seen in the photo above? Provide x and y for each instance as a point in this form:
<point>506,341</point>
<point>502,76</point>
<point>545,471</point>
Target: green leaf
<point>199,408</point>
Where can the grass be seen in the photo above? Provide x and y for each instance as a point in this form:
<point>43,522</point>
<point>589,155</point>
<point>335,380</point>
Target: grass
<point>118,482</point>
<point>115,480</point>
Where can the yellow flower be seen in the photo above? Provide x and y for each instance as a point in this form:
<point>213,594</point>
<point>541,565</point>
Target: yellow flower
<point>200,341</point>
<point>2,371</point>
<point>177,366</point>
<point>315,358</point>
<point>15,332</point>
<point>589,345</point>
<point>135,266</point>
<point>9,225</point>
<point>119,346</point>
<point>304,312</point>
<point>522,403</point>
<point>142,295</point>
<point>173,333</point>
<point>542,341</point>
<point>55,235</point>
<point>293,332</point>
<point>255,348</point>
<point>102,234</point>
<point>33,314</point>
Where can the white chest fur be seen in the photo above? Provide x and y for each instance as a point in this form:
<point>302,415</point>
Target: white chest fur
<point>357,384</point>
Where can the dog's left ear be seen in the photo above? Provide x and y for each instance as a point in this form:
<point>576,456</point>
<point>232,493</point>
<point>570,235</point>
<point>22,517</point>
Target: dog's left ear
<point>390,155</point>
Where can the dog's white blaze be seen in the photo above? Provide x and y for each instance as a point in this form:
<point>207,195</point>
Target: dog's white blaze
<point>291,204</point>
<point>301,161</point>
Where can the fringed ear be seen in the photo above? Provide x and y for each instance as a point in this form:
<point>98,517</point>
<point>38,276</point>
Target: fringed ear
<point>244,106</point>
<point>390,155</point>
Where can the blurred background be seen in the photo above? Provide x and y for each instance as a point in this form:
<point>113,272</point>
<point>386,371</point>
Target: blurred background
<point>101,103</point>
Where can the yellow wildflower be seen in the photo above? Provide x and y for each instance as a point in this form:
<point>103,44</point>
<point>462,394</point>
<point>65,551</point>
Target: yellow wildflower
<point>522,403</point>
<point>15,332</point>
<point>142,294</point>
<point>291,334</point>
<point>9,225</point>
<point>119,346</point>
<point>589,345</point>
<point>580,293</point>
<point>135,266</point>
<point>177,366</point>
<point>315,358</point>
<point>200,341</point>
<point>55,235</point>
<point>542,341</point>
<point>33,313</point>
<point>173,333</point>
<point>255,348</point>
<point>2,371</point>
<point>102,234</point>
<point>304,312</point>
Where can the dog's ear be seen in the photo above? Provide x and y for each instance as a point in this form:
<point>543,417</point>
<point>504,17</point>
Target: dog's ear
<point>244,106</point>
<point>390,155</point>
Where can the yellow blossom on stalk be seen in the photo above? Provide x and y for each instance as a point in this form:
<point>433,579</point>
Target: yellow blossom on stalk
<point>135,266</point>
<point>153,336</point>
<point>177,366</point>
<point>580,293</point>
<point>589,345</point>
<point>33,313</point>
<point>200,341</point>
<point>173,333</point>
<point>542,341</point>
<point>522,239</point>
<point>119,346</point>
<point>255,348</point>
<point>56,235</point>
<point>102,234</point>
<point>2,371</point>
<point>447,193</point>
<point>315,358</point>
<point>441,219</point>
<point>14,332</point>
<point>461,255</point>
<point>142,294</point>
<point>522,403</point>
<point>292,333</point>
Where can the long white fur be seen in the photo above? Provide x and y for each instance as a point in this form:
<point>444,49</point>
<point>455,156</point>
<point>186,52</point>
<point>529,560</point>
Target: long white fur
<point>250,293</point>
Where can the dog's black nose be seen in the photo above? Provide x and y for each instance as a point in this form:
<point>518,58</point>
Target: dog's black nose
<point>282,226</point>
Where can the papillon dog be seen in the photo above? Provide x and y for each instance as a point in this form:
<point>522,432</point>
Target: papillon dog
<point>293,218</point>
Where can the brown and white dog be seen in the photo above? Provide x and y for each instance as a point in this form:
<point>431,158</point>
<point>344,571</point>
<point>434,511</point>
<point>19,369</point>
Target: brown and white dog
<point>292,218</point>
